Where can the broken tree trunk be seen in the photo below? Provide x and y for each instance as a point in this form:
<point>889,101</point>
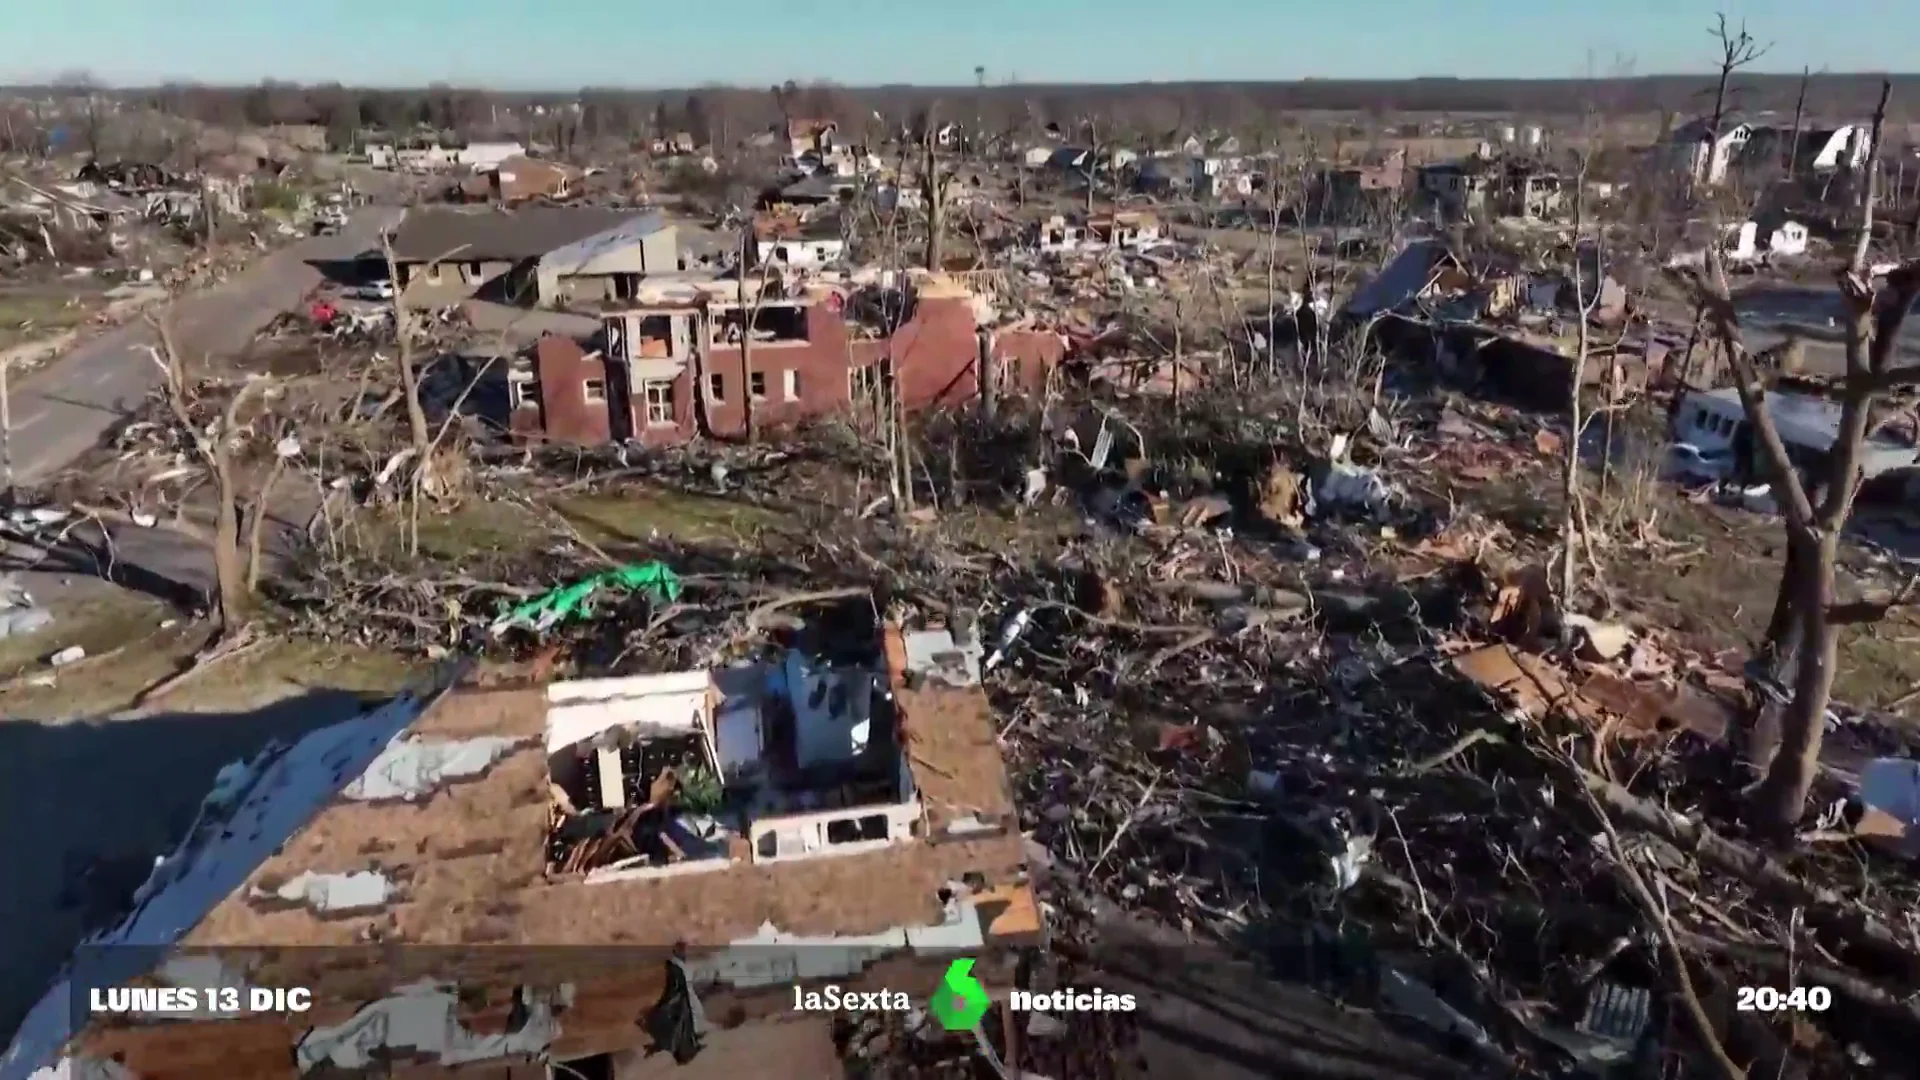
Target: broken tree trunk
<point>748,315</point>
<point>933,192</point>
<point>418,435</point>
<point>989,373</point>
<point>1807,641</point>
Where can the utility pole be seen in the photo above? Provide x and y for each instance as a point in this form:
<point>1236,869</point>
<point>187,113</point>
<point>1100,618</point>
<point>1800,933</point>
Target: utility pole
<point>979,103</point>
<point>1799,110</point>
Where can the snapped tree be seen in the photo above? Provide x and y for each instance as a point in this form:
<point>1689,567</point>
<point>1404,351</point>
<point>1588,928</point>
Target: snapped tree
<point>237,560</point>
<point>1794,667</point>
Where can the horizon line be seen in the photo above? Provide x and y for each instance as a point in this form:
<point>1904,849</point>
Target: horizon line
<point>85,80</point>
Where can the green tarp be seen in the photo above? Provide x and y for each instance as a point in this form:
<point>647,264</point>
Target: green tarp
<point>657,580</point>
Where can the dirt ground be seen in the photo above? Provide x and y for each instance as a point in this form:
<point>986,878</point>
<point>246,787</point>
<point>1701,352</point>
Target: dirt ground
<point>1710,577</point>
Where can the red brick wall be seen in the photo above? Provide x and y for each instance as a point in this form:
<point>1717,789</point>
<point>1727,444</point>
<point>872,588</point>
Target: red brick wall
<point>935,354</point>
<point>821,365</point>
<point>567,416</point>
<point>684,425</point>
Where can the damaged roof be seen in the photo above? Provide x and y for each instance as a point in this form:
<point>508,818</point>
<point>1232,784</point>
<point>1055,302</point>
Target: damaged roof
<point>427,823</point>
<point>502,235</point>
<point>467,859</point>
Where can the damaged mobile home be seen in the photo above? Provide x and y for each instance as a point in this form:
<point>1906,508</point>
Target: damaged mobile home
<point>640,854</point>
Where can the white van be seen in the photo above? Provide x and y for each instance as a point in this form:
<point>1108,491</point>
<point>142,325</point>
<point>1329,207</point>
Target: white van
<point>1713,424</point>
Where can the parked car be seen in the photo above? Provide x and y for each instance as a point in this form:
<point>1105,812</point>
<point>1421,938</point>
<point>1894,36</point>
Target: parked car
<point>379,290</point>
<point>1690,464</point>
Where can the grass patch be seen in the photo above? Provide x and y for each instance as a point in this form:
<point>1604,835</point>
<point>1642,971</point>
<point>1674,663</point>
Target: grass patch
<point>476,529</point>
<point>634,517</point>
<point>637,517</point>
<point>1038,529</point>
<point>1713,585</point>
<point>93,615</point>
<point>27,316</point>
<point>1717,589</point>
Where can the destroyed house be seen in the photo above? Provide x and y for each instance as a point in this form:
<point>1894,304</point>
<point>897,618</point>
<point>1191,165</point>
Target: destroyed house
<point>813,354</point>
<point>1476,186</point>
<point>1356,192</point>
<point>517,180</point>
<point>480,878</point>
<point>810,136</point>
<point>1126,229</point>
<point>787,240</point>
<point>534,255</point>
<point>1804,415</point>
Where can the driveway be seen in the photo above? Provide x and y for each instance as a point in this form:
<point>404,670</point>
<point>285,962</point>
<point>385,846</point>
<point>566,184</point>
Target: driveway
<point>64,409</point>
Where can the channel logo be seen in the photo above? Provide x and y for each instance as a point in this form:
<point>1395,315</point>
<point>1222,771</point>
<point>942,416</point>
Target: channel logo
<point>961,1000</point>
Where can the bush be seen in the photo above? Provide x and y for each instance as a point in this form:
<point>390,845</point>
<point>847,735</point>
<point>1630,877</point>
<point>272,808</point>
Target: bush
<point>275,196</point>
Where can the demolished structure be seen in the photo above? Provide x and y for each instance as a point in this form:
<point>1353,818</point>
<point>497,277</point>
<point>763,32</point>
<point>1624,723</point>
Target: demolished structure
<point>526,873</point>
<point>815,350</point>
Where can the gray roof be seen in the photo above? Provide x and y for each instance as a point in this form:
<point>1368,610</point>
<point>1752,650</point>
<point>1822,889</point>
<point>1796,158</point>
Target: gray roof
<point>1401,281</point>
<point>501,235</point>
<point>817,186</point>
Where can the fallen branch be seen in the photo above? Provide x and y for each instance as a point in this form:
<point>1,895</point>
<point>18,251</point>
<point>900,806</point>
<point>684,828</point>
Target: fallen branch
<point>225,647</point>
<point>1656,914</point>
<point>1825,909</point>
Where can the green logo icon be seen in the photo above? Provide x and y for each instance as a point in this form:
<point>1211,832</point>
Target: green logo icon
<point>961,1000</point>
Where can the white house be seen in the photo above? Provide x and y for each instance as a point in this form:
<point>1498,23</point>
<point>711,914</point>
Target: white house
<point>801,253</point>
<point>1037,156</point>
<point>1057,235</point>
<point>1845,147</point>
<point>482,156</point>
<point>1217,176</point>
<point>422,158</point>
<point>1708,159</point>
<point>1744,245</point>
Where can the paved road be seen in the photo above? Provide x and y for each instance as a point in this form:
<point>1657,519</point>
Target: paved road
<point>63,409</point>
<point>1769,313</point>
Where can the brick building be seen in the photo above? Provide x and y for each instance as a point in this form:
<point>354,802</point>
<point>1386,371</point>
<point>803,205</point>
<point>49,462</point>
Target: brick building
<point>809,359</point>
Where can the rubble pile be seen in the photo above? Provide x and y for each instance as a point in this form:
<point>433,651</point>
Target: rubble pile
<point>1303,708</point>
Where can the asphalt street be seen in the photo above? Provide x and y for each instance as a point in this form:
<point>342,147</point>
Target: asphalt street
<point>63,409</point>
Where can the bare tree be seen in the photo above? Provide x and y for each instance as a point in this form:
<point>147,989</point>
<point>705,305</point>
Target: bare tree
<point>749,309</point>
<point>1738,49</point>
<point>933,190</point>
<point>1791,165</point>
<point>1573,525</point>
<point>419,437</point>
<point>747,317</point>
<point>236,566</point>
<point>1090,161</point>
<point>1801,649</point>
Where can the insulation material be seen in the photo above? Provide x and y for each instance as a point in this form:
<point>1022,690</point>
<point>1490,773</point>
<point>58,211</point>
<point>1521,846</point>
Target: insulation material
<point>420,1020</point>
<point>83,1069</point>
<point>411,769</point>
<point>332,894</point>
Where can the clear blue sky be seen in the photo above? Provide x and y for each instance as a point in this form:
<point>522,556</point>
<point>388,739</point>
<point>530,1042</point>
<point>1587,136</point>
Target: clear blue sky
<point>652,43</point>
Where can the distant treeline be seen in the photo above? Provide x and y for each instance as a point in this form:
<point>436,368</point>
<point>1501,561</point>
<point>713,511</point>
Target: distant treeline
<point>720,113</point>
